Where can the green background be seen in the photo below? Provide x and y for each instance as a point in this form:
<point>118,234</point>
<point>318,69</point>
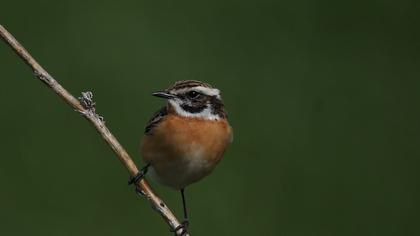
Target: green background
<point>323,97</point>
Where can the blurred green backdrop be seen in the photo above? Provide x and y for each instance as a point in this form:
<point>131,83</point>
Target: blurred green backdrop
<point>323,97</point>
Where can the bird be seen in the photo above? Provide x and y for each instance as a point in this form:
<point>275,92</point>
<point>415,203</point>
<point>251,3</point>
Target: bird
<point>185,140</point>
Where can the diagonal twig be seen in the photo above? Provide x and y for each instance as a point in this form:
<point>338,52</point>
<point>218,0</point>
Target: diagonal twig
<point>86,107</point>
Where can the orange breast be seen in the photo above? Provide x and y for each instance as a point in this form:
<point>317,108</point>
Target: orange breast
<point>183,150</point>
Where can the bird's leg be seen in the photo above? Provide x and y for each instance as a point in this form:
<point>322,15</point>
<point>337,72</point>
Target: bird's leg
<point>139,176</point>
<point>185,223</point>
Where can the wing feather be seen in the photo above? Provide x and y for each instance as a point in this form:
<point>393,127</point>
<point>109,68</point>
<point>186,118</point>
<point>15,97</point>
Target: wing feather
<point>156,119</point>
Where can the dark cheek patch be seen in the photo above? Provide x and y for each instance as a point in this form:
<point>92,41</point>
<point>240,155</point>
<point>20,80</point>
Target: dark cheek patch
<point>193,109</point>
<point>217,107</point>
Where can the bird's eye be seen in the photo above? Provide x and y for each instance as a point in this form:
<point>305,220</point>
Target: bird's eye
<point>192,94</point>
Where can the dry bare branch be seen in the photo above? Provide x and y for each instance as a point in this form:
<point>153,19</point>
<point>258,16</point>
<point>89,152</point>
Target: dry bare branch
<point>86,106</point>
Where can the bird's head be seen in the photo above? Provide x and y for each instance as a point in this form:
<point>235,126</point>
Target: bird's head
<point>191,98</point>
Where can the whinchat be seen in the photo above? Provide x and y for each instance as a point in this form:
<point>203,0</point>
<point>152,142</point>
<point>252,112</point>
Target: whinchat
<point>184,140</point>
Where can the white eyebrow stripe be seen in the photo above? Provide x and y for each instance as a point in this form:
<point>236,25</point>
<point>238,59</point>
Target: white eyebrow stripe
<point>204,90</point>
<point>208,91</point>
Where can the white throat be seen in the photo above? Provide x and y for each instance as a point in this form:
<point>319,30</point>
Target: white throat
<point>204,114</point>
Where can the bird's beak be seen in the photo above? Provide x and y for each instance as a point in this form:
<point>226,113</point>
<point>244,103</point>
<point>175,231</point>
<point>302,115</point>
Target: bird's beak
<point>163,94</point>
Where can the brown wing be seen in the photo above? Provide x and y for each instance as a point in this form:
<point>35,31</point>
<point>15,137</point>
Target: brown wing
<point>157,117</point>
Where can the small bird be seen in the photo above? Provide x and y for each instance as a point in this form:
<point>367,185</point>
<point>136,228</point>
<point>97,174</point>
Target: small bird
<point>186,139</point>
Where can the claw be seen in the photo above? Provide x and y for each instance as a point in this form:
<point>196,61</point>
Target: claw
<point>139,176</point>
<point>183,226</point>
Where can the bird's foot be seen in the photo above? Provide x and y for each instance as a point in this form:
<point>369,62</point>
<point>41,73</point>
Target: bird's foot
<point>139,176</point>
<point>183,227</point>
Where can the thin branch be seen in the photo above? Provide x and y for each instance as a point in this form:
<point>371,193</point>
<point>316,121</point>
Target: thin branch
<point>87,107</point>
